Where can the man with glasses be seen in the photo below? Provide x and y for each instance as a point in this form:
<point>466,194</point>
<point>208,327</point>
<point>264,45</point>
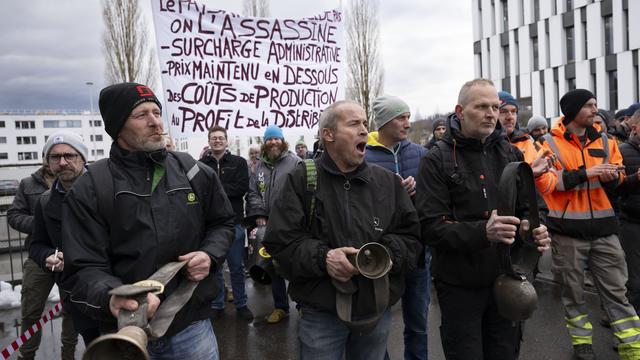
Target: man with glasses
<point>276,161</point>
<point>138,210</point>
<point>234,176</point>
<point>66,156</point>
<point>36,283</point>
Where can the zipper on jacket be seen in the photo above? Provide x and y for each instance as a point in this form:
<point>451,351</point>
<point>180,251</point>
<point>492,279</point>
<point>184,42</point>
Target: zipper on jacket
<point>347,187</point>
<point>588,182</point>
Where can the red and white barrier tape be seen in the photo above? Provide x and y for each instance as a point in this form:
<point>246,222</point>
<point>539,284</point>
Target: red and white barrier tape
<point>15,345</point>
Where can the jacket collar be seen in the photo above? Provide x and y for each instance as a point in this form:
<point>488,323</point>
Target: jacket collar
<point>454,134</point>
<point>561,130</point>
<point>137,158</point>
<point>372,141</point>
<point>362,172</point>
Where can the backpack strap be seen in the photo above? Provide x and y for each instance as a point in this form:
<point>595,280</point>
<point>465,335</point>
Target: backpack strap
<point>100,175</point>
<point>311,181</point>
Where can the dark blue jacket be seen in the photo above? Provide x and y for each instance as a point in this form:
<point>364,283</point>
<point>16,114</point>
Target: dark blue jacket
<point>405,161</point>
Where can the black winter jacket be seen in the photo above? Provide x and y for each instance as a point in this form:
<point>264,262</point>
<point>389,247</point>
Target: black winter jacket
<point>369,205</point>
<point>233,173</point>
<point>20,215</point>
<point>46,238</point>
<point>629,190</point>
<point>454,204</point>
<point>145,231</point>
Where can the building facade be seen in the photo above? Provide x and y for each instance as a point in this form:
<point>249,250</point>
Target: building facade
<point>540,49</point>
<point>23,134</point>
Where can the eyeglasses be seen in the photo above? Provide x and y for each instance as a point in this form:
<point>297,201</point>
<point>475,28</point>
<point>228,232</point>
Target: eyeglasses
<point>68,157</point>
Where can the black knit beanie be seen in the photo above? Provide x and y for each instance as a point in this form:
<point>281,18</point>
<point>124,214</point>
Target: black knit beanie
<point>572,102</point>
<point>117,101</point>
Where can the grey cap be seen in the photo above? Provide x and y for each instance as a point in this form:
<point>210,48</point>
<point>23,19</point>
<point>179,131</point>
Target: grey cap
<point>387,108</point>
<point>66,137</point>
<point>536,121</point>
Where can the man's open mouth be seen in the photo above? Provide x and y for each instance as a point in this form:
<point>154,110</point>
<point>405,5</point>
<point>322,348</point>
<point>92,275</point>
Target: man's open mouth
<point>361,145</point>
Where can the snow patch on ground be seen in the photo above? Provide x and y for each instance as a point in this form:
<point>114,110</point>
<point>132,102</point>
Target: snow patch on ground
<point>10,296</point>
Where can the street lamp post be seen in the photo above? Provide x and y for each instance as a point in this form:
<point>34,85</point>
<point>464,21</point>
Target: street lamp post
<point>92,123</point>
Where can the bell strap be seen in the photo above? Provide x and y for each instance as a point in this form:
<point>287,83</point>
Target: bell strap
<point>520,258</point>
<point>344,301</point>
<point>167,310</point>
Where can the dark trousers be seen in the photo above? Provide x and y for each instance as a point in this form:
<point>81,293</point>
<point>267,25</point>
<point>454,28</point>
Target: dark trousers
<point>471,327</point>
<point>631,245</point>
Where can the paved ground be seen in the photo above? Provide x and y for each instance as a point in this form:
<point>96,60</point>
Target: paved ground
<point>545,335</point>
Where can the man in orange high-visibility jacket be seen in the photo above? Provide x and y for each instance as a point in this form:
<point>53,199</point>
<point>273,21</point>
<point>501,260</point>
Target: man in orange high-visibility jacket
<point>508,117</point>
<point>583,225</point>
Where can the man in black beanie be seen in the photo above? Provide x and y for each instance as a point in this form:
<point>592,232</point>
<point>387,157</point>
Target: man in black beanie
<point>138,210</point>
<point>583,225</point>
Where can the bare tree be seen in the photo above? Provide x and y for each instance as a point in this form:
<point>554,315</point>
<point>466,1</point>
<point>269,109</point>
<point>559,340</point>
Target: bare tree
<point>128,52</point>
<point>256,8</point>
<point>365,71</point>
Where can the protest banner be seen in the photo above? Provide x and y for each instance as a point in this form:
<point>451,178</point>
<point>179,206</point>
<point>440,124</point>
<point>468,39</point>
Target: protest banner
<point>246,73</point>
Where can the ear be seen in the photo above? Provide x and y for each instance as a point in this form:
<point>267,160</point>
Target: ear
<point>327,135</point>
<point>458,111</point>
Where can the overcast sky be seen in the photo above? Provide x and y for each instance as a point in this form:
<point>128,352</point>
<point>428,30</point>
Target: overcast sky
<point>50,49</point>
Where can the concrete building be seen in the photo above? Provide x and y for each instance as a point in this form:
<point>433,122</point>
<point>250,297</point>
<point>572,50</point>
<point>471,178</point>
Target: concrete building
<point>23,134</point>
<point>540,49</point>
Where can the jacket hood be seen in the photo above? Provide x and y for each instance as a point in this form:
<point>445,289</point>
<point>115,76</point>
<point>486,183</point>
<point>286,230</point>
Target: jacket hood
<point>517,135</point>
<point>372,141</point>
<point>454,134</point>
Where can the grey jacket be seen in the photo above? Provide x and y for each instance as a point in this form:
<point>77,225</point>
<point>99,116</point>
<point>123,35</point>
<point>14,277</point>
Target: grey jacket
<point>20,215</point>
<point>266,183</point>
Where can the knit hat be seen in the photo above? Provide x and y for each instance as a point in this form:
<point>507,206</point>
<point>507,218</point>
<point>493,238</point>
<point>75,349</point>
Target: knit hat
<point>387,108</point>
<point>606,117</point>
<point>301,142</point>
<point>535,122</point>
<point>273,131</point>
<point>437,123</point>
<point>632,109</point>
<point>572,102</point>
<point>117,101</point>
<point>66,137</point>
<point>620,114</point>
<point>507,99</point>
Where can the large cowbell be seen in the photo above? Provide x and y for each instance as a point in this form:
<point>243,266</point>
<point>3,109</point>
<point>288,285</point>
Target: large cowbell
<point>372,260</point>
<point>515,296</point>
<point>262,269</point>
<point>129,343</point>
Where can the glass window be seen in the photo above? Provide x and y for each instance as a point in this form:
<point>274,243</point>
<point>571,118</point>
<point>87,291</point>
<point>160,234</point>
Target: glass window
<point>4,156</point>
<point>613,89</point>
<point>97,138</point>
<point>536,63</point>
<point>2,124</point>
<point>536,9</point>
<point>62,123</point>
<point>608,35</point>
<point>505,15</point>
<point>32,155</point>
<point>570,45</point>
<point>507,60</point>
<point>3,139</point>
<point>571,84</point>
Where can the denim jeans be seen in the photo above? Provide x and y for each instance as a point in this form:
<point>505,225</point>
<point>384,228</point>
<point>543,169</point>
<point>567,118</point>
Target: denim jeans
<point>323,336</point>
<point>235,260</point>
<point>279,292</point>
<point>196,342</point>
<point>415,311</point>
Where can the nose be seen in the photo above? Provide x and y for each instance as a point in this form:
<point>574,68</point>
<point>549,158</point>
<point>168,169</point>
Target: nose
<point>63,161</point>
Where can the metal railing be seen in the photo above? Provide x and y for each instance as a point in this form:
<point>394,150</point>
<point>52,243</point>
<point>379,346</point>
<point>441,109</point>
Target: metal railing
<point>12,252</point>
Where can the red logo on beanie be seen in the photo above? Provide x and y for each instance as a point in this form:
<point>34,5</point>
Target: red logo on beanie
<point>144,90</point>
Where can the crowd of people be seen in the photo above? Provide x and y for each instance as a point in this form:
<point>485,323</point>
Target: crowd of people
<point>433,209</point>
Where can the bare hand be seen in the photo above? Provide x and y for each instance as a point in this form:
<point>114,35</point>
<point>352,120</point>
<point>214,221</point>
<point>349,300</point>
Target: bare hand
<point>409,184</point>
<point>261,221</point>
<point>540,235</point>
<point>120,302</point>
<point>542,164</point>
<point>602,169</point>
<point>198,266</point>
<point>54,263</point>
<point>502,228</point>
<point>338,266</point>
